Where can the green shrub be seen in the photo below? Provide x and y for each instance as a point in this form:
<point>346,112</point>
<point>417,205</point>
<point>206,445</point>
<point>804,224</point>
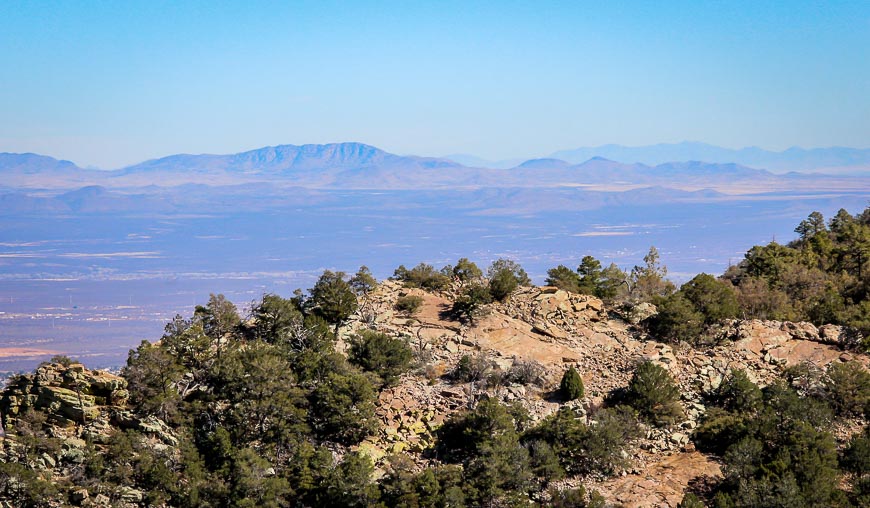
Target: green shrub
<point>683,316</point>
<point>605,443</point>
<point>363,282</point>
<point>690,501</point>
<point>653,392</point>
<point>343,408</point>
<point>442,485</point>
<point>505,276</point>
<point>584,449</point>
<point>676,320</point>
<point>563,278</point>
<point>784,406</point>
<point>544,461</point>
<point>349,484</point>
<point>468,435</point>
<point>856,456</point>
<point>861,491</point>
<point>469,304</point>
<point>63,360</point>
<point>422,276</point>
<point>571,386</point>
<point>379,353</point>
<point>409,304</point>
<point>714,299</point>
<point>737,393</point>
<point>568,498</point>
<point>333,298</point>
<point>590,278</point>
<point>466,270</point>
<point>274,319</point>
<point>848,388</point>
<point>781,457</point>
<point>719,430</point>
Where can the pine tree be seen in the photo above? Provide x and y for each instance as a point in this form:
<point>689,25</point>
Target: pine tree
<point>571,385</point>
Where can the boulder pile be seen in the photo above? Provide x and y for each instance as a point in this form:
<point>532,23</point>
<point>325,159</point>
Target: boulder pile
<point>67,394</point>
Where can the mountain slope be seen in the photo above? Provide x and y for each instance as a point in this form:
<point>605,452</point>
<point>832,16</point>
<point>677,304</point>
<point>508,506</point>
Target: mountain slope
<point>34,170</point>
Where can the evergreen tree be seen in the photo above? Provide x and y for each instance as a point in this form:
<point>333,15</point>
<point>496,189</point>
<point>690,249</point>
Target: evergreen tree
<point>571,385</point>
<point>715,300</point>
<point>333,299</point>
<point>466,270</point>
<point>676,320</point>
<point>379,353</point>
<point>649,281</point>
<point>469,303</point>
<point>505,276</point>
<point>563,278</point>
<point>590,277</point>
<point>653,392</point>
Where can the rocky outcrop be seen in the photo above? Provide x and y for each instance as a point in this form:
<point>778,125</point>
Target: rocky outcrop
<point>552,311</point>
<point>557,329</point>
<point>834,335</point>
<point>68,395</point>
<point>662,483</point>
<point>83,408</point>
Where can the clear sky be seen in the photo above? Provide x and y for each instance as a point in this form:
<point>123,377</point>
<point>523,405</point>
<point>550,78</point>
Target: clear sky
<point>109,84</point>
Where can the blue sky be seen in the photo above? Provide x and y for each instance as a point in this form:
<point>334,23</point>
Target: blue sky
<point>109,84</point>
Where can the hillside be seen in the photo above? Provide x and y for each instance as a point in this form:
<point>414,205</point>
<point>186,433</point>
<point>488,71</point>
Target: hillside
<point>454,388</point>
<point>543,330</point>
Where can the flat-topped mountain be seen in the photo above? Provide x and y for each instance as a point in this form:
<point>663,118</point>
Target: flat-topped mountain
<point>287,158</point>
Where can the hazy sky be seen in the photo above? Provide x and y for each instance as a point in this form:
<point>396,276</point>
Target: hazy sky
<point>109,84</point>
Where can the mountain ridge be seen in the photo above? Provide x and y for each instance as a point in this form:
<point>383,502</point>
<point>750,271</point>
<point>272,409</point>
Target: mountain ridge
<point>355,165</point>
<point>791,159</point>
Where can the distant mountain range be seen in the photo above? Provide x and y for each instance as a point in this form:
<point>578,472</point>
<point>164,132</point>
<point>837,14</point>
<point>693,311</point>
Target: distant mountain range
<point>360,166</point>
<point>793,159</point>
<point>833,160</point>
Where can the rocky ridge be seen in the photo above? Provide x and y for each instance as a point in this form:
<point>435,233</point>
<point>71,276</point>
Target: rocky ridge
<point>555,330</point>
<point>542,331</point>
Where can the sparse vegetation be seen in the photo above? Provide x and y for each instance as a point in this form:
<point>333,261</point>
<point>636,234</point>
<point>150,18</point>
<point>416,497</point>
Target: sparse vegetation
<point>409,304</point>
<point>526,372</point>
<point>472,368</point>
<point>422,276</point>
